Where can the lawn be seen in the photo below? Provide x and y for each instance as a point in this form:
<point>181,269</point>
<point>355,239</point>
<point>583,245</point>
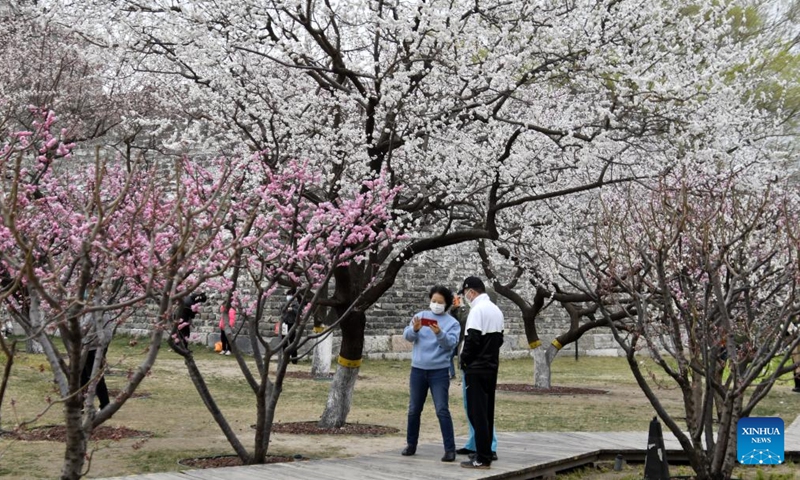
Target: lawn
<point>181,427</point>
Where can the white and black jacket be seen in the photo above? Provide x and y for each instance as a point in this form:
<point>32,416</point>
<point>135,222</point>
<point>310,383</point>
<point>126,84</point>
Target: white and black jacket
<point>484,336</point>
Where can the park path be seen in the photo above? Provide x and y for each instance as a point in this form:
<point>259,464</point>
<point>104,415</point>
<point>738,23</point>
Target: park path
<point>522,455</point>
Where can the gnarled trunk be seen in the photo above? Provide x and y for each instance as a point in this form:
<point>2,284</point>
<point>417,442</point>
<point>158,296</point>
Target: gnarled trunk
<point>353,326</point>
<point>542,360</point>
<point>340,397</point>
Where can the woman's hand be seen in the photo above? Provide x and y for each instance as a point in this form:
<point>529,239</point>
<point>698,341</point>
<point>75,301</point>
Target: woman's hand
<point>435,328</point>
<point>417,323</point>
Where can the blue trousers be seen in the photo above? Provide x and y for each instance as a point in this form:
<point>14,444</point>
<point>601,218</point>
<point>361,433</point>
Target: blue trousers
<point>470,445</point>
<point>438,382</point>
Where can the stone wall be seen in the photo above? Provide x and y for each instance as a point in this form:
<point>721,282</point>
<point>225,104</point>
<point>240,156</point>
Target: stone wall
<point>387,318</point>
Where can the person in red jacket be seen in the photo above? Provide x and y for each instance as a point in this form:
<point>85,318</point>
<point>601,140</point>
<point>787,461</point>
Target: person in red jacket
<point>230,315</point>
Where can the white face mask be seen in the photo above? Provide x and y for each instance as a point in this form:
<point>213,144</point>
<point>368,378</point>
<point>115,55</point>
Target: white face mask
<point>437,308</point>
<point>289,298</point>
<point>469,302</point>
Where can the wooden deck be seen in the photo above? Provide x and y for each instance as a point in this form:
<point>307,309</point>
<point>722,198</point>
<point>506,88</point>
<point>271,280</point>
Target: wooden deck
<point>521,456</point>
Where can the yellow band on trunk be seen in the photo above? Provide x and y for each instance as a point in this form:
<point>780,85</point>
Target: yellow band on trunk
<point>557,344</point>
<point>349,363</point>
<point>535,344</point>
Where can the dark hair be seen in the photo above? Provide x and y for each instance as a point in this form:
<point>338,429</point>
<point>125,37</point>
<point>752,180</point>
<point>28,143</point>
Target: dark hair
<point>445,292</point>
<point>199,297</point>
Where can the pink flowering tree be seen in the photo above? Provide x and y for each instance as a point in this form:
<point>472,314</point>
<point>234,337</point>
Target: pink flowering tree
<point>474,108</point>
<point>700,273</point>
<point>85,241</point>
<point>287,237</point>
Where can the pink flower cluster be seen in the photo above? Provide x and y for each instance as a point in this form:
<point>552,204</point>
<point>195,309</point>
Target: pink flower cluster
<point>88,231</point>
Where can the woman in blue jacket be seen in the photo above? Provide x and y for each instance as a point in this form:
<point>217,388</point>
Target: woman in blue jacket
<point>434,334</point>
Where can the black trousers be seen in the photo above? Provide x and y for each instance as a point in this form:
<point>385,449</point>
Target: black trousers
<point>86,375</point>
<point>183,335</point>
<point>226,347</point>
<point>292,351</point>
<point>480,410</point>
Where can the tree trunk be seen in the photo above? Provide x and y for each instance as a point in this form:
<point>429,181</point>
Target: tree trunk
<point>542,360</point>
<point>262,433</point>
<point>340,397</point>
<point>321,364</point>
<point>269,393</point>
<point>211,405</point>
<point>8,351</point>
<point>33,346</point>
<point>75,452</point>
<point>353,326</point>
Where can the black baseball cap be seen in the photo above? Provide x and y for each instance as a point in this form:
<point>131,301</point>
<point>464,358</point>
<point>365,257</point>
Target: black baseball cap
<point>474,283</point>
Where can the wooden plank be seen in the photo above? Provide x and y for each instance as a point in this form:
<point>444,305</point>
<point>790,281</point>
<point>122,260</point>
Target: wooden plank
<point>153,476</point>
<point>521,454</point>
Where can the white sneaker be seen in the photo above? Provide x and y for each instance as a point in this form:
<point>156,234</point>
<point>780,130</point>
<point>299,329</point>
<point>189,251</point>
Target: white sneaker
<point>228,352</point>
<point>222,352</point>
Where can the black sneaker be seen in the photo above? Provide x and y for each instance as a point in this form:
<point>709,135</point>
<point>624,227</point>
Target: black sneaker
<point>449,456</point>
<point>465,451</point>
<point>408,451</point>
<point>475,464</point>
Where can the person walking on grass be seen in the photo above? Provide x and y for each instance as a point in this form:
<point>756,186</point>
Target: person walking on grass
<point>290,315</point>
<point>480,359</point>
<point>434,334</point>
<point>230,314</point>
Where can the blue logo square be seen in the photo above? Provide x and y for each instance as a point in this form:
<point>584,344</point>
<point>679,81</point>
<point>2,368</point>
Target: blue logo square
<point>759,441</point>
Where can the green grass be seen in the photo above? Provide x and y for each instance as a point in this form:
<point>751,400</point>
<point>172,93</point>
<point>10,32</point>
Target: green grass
<point>183,428</point>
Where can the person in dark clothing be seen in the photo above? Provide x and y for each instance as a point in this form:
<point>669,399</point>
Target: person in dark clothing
<point>101,391</point>
<point>480,359</point>
<point>459,312</point>
<point>289,315</point>
<point>187,314</point>
<point>97,334</point>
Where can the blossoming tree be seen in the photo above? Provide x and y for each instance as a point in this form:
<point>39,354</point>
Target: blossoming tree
<point>286,235</point>
<point>83,242</point>
<point>703,270</point>
<point>474,108</point>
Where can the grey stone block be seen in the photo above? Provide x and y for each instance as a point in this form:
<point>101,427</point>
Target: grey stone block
<point>400,344</point>
<point>377,343</point>
<point>604,340</point>
<point>604,352</point>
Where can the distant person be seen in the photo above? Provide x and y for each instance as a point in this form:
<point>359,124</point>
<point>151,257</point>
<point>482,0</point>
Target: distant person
<point>230,316</point>
<point>434,334</point>
<point>289,316</point>
<point>459,312</point>
<point>96,335</point>
<point>7,329</point>
<point>187,314</point>
<point>480,359</point>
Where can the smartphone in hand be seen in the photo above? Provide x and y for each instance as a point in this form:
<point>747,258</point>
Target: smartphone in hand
<point>429,321</point>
